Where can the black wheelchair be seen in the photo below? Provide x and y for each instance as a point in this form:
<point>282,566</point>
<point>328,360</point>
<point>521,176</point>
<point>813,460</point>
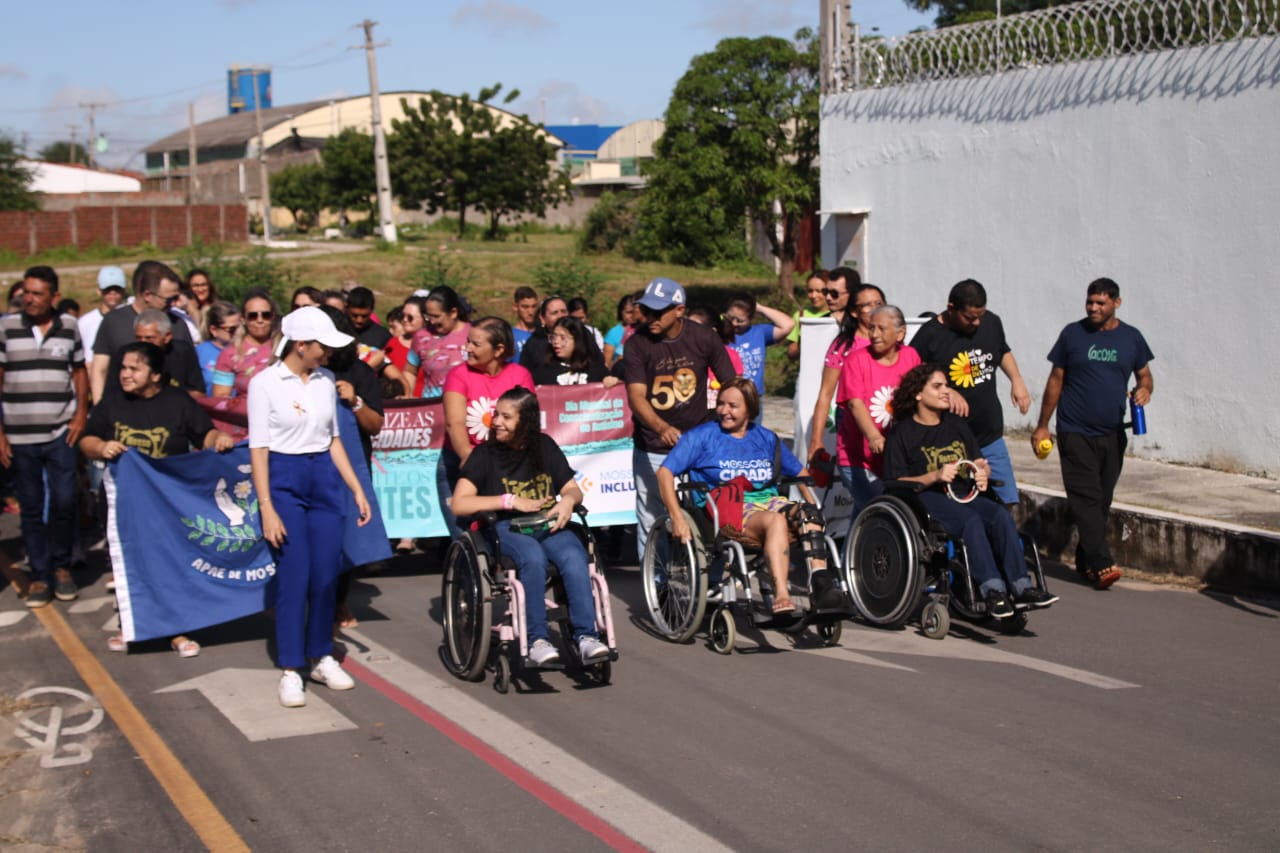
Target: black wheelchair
<point>484,610</point>
<point>682,578</point>
<point>900,563</point>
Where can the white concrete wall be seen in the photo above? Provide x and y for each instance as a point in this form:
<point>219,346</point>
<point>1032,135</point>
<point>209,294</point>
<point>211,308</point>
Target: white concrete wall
<point>1161,171</point>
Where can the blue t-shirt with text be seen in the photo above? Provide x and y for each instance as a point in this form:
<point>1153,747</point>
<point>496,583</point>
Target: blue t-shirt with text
<point>749,345</point>
<point>1097,366</point>
<point>710,455</point>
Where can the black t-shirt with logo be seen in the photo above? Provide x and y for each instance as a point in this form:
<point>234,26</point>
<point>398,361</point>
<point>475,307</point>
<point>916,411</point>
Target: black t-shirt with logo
<point>168,424</point>
<point>674,375</point>
<point>913,449</point>
<point>374,335</point>
<point>496,469</point>
<point>971,363</point>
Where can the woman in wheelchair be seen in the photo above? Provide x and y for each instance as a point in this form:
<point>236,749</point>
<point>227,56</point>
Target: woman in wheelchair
<point>517,471</point>
<point>730,446</point>
<point>925,446</point>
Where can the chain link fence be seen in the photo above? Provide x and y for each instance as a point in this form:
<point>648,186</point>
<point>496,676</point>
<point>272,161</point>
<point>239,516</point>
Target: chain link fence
<point>1069,33</point>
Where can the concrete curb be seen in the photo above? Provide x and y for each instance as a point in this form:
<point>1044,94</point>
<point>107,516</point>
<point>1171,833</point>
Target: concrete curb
<point>1233,557</point>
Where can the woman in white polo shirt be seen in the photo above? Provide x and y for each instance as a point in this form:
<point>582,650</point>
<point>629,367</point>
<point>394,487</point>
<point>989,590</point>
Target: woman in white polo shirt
<point>299,466</point>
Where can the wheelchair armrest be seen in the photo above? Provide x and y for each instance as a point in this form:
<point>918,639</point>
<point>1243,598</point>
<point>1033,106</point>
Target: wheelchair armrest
<point>902,488</point>
<point>685,488</point>
<point>581,512</point>
<point>488,518</point>
<point>797,481</point>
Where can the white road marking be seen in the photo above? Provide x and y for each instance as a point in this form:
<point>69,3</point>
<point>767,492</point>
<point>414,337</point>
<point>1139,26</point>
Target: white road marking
<point>91,605</point>
<point>12,617</point>
<point>247,698</point>
<point>628,811</point>
<point>910,643</point>
<point>43,736</point>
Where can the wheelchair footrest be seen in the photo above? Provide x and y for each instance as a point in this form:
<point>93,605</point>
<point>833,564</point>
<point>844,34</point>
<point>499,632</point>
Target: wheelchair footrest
<point>530,666</point>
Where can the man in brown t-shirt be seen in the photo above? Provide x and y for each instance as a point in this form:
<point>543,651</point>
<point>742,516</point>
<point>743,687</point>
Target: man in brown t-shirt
<point>665,367</point>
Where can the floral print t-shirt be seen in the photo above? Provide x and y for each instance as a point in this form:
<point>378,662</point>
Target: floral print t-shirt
<point>239,363</point>
<point>435,355</point>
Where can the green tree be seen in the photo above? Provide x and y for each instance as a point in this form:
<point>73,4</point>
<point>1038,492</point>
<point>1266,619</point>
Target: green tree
<point>740,146</point>
<point>15,179</point>
<point>347,162</point>
<point>302,188</point>
<point>454,152</point>
<point>526,181</point>
<point>64,152</point>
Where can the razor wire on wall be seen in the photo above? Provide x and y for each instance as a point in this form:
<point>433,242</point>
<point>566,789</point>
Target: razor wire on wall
<point>1068,33</point>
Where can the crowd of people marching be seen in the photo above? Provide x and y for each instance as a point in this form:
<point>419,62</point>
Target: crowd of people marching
<point>80,388</point>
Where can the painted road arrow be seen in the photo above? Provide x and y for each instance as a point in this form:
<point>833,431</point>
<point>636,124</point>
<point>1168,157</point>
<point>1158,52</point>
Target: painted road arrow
<point>247,698</point>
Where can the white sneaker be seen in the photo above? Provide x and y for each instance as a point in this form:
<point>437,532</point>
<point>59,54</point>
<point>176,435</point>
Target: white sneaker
<point>542,653</point>
<point>590,650</point>
<point>290,690</point>
<point>330,673</point>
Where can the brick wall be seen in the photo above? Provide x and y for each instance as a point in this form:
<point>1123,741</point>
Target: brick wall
<point>167,226</point>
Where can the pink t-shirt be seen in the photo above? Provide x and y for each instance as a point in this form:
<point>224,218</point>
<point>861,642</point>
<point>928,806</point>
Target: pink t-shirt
<point>482,392</point>
<point>435,355</point>
<point>836,354</point>
<point>863,378</point>
<point>713,384</point>
<point>237,368</point>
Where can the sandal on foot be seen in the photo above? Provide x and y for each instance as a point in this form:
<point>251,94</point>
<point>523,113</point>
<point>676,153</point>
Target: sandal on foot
<point>1088,575</point>
<point>185,647</point>
<point>116,643</point>
<point>1106,577</point>
<point>344,618</point>
<point>783,607</point>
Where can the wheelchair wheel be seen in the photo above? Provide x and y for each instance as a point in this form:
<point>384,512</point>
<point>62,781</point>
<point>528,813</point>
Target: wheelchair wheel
<point>830,632</point>
<point>502,678</point>
<point>598,674</point>
<point>675,581</point>
<point>1015,624</point>
<point>883,562</point>
<point>724,634</point>
<point>935,621</point>
<point>467,625</point>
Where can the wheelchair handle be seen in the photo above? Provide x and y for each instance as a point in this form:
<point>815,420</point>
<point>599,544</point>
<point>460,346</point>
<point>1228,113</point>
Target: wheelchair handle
<point>693,487</point>
<point>798,481</point>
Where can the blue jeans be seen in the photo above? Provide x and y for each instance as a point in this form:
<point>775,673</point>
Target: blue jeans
<point>990,539</point>
<point>530,554</point>
<point>861,484</point>
<point>447,471</point>
<point>648,502</point>
<point>48,543</point>
<point>997,455</point>
<point>310,498</point>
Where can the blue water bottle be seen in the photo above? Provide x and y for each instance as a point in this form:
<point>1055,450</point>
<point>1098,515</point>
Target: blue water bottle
<point>1137,416</point>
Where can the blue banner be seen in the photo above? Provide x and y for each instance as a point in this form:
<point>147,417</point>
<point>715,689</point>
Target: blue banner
<point>186,540</point>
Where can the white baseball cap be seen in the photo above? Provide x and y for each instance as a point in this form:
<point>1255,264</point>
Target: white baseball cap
<point>109,277</point>
<point>311,324</point>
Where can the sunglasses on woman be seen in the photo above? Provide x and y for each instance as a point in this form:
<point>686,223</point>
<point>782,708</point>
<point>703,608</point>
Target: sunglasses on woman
<point>260,315</point>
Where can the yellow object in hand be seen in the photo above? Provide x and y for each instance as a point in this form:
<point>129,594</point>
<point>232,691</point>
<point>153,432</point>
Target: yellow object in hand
<point>1044,448</point>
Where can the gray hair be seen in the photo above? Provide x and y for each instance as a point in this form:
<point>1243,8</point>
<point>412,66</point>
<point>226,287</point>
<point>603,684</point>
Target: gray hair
<point>898,319</point>
<point>154,317</point>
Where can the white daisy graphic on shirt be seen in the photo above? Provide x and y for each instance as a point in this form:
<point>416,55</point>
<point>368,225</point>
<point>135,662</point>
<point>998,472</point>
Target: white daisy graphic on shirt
<point>479,416</point>
<point>881,407</point>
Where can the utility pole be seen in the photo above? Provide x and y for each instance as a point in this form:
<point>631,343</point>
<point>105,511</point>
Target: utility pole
<point>74,128</point>
<point>193,185</point>
<point>382,175</point>
<point>263,178</point>
<point>92,107</point>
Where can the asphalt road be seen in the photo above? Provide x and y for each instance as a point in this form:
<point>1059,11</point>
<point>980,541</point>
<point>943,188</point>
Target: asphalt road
<point>1141,718</point>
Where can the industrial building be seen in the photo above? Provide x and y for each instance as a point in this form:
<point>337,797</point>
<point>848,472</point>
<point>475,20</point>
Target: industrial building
<point>227,148</point>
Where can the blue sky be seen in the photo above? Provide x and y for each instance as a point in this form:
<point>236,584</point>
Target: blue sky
<point>601,63</point>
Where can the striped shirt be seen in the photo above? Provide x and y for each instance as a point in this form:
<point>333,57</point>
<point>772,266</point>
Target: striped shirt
<point>38,396</point>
